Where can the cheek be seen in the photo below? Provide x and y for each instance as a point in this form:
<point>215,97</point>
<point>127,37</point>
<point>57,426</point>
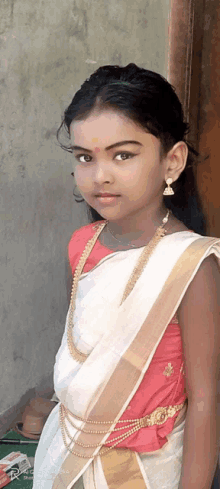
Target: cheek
<point>138,178</point>
<point>145,181</point>
<point>83,183</point>
<point>78,174</point>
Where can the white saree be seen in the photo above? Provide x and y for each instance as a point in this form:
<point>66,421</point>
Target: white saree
<point>106,331</point>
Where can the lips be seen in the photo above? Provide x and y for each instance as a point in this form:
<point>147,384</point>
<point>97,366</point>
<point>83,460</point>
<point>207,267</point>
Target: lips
<point>107,199</point>
<point>107,195</point>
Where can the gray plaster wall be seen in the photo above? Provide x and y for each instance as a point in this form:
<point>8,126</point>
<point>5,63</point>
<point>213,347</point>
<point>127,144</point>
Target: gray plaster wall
<point>48,48</point>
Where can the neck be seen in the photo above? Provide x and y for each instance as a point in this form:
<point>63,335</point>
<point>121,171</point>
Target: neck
<point>135,226</point>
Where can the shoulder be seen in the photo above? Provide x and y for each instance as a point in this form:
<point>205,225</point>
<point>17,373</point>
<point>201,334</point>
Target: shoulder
<point>85,231</point>
<point>79,238</point>
<point>204,288</point>
<point>82,232</point>
<point>205,284</point>
<point>78,241</point>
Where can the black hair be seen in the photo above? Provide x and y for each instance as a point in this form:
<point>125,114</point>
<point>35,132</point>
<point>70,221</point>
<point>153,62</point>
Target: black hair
<point>149,100</point>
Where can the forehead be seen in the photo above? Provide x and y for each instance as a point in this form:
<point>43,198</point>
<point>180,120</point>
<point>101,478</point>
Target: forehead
<point>101,125</point>
<point>101,130</point>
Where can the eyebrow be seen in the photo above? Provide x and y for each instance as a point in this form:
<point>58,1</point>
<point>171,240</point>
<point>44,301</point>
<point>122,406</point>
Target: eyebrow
<point>108,147</point>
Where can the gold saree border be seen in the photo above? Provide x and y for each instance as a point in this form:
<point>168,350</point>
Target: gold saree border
<point>126,377</point>
<point>123,463</point>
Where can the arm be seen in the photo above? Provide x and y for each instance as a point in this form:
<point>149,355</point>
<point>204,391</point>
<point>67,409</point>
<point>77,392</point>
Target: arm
<point>199,318</point>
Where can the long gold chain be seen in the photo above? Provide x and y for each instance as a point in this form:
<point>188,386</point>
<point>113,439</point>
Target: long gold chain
<point>137,271</point>
<point>143,259</point>
<point>75,353</point>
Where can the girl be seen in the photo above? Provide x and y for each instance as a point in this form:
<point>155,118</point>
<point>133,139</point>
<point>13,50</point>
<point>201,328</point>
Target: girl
<point>136,373</point>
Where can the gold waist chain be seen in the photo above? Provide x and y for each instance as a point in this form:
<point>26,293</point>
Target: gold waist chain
<point>157,417</point>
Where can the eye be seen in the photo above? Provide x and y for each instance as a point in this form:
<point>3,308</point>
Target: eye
<point>124,155</point>
<point>87,158</point>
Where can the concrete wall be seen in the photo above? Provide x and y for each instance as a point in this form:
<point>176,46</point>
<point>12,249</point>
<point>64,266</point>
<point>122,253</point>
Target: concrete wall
<point>47,50</point>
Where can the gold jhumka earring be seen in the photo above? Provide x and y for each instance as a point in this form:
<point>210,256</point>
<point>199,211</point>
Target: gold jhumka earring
<point>168,190</point>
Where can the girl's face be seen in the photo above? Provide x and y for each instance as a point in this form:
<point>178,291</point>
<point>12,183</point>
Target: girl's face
<point>114,155</point>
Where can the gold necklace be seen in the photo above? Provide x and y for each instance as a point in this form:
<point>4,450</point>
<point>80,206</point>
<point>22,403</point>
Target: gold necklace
<point>133,246</point>
<point>138,269</point>
<point>165,219</point>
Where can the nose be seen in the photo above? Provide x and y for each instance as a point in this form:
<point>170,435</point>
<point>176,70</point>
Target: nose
<point>102,173</point>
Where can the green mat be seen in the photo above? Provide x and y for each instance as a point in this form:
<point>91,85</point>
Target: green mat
<point>25,480</point>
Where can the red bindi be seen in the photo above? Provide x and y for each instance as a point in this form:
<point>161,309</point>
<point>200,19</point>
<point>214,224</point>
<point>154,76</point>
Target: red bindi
<point>97,150</point>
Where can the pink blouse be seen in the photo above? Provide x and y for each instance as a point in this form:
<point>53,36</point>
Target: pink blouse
<point>163,384</point>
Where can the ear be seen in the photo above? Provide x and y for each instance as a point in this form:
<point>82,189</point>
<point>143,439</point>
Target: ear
<point>175,161</point>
